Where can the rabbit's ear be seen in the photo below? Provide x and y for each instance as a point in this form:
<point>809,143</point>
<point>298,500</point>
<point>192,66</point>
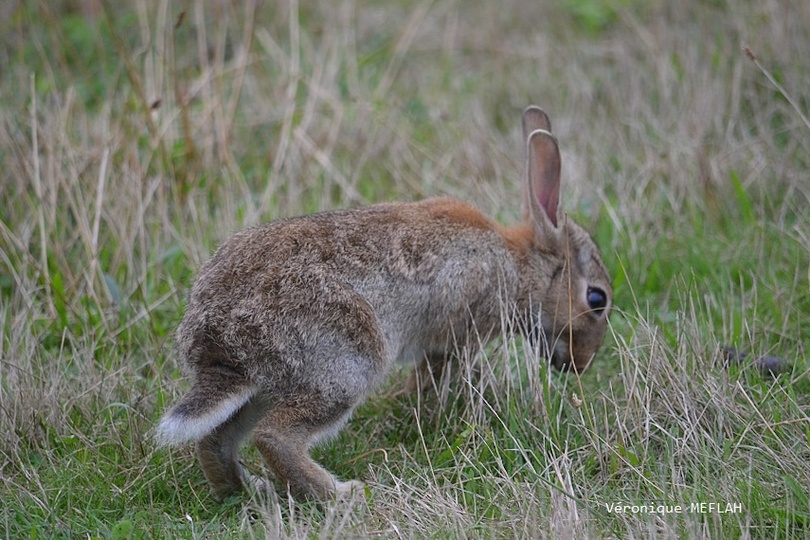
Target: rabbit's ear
<point>534,118</point>
<point>543,177</point>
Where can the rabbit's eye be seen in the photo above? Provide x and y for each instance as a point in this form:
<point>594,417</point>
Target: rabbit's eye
<point>597,299</point>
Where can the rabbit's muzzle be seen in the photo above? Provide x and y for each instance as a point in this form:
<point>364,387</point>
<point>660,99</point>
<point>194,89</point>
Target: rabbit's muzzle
<point>565,349</point>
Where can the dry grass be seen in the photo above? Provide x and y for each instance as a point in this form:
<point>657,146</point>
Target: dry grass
<point>134,137</point>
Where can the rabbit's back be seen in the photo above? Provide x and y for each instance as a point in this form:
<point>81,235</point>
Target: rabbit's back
<point>387,282</point>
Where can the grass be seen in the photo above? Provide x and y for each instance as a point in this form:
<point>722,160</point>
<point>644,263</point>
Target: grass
<point>134,137</point>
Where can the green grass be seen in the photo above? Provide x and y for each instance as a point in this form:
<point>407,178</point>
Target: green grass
<point>134,138</point>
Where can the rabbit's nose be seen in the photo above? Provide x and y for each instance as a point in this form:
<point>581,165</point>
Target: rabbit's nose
<point>561,357</point>
<point>564,365</point>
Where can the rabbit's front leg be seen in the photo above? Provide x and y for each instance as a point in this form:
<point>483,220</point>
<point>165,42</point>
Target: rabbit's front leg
<point>429,372</point>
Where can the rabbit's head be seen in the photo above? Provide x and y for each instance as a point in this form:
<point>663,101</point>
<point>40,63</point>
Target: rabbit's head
<point>565,284</point>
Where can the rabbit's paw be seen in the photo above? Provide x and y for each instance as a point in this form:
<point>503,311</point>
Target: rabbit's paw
<point>349,488</point>
<point>257,484</point>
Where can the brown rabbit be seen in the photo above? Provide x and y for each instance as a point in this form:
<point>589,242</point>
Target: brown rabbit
<point>291,324</point>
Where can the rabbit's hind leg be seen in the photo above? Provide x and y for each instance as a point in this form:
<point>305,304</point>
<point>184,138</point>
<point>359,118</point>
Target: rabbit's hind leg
<point>218,452</point>
<point>285,435</point>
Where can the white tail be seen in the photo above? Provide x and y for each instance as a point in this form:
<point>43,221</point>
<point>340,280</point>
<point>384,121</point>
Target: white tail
<point>176,428</point>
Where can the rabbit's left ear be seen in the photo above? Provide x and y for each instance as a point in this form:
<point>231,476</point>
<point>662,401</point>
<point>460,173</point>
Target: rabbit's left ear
<point>542,175</point>
<point>535,118</point>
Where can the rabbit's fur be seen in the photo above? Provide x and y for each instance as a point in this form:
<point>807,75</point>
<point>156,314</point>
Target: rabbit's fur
<point>291,324</point>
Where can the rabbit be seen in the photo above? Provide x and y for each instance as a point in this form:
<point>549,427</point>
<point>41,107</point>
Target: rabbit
<point>291,324</point>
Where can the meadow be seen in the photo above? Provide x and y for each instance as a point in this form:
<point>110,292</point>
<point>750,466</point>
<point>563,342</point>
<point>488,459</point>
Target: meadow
<point>135,136</point>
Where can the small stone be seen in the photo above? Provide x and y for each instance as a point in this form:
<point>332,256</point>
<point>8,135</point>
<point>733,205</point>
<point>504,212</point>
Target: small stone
<point>767,365</point>
<point>771,365</point>
<point>731,356</point>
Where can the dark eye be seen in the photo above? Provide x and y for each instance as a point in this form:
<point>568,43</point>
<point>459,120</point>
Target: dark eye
<point>597,299</point>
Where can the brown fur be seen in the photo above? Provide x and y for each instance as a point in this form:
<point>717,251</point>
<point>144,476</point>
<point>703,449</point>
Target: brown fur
<point>292,323</point>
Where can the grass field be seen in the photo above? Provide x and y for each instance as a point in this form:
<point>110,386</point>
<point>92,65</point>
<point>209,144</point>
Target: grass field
<point>134,136</point>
